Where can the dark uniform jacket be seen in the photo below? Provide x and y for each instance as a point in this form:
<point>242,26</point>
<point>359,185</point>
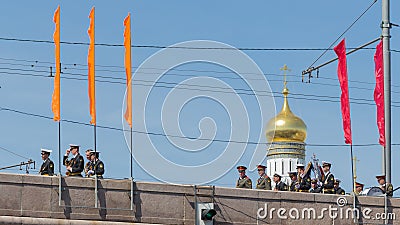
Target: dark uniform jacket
<point>293,185</point>
<point>264,182</point>
<point>316,190</point>
<point>47,168</point>
<point>281,186</point>
<point>304,183</point>
<point>76,165</point>
<point>97,167</point>
<point>244,182</point>
<point>327,183</point>
<point>339,191</point>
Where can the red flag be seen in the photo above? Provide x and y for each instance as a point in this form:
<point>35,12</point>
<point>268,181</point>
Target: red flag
<point>340,51</point>
<point>378,93</point>
<point>91,77</point>
<point>128,69</point>
<point>55,102</point>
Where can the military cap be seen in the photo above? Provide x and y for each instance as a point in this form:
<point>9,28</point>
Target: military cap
<point>359,184</point>
<point>326,164</point>
<point>46,150</point>
<point>314,181</point>
<point>380,177</point>
<point>337,181</point>
<point>74,146</point>
<point>261,167</point>
<point>241,168</point>
<point>292,173</point>
<point>93,151</point>
<point>277,175</point>
<point>301,166</point>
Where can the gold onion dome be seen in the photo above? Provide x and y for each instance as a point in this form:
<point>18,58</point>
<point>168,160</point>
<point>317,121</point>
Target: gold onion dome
<point>286,127</point>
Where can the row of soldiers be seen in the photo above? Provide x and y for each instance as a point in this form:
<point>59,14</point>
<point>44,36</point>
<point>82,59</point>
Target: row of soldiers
<point>300,181</point>
<point>75,165</point>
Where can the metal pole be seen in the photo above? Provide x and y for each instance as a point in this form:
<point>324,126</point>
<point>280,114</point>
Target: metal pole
<point>59,163</point>
<point>131,171</point>
<point>387,87</point>
<point>95,175</point>
<point>354,181</point>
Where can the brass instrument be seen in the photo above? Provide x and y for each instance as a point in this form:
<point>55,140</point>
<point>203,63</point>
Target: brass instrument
<point>68,163</point>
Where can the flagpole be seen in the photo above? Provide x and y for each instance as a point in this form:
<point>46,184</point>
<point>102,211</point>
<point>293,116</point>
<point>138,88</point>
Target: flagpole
<point>352,169</point>
<point>386,25</point>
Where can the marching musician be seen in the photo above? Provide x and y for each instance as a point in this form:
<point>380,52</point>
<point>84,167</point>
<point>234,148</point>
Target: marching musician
<point>303,179</point>
<point>47,167</point>
<point>76,164</point>
<point>89,163</point>
<point>359,188</point>
<point>314,186</point>
<point>387,188</point>
<point>338,189</point>
<point>293,178</point>
<point>328,179</point>
<point>97,166</point>
<point>279,185</point>
<point>244,181</point>
<point>264,182</point>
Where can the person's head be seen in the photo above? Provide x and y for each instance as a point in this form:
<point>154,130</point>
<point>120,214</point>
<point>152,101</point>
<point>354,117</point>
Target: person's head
<point>87,152</point>
<point>74,149</point>
<point>300,168</point>
<point>336,183</point>
<point>261,169</point>
<point>241,170</point>
<point>314,183</point>
<point>326,167</point>
<point>45,153</point>
<point>94,155</point>
<point>381,179</point>
<point>293,175</point>
<point>277,178</point>
<point>359,187</point>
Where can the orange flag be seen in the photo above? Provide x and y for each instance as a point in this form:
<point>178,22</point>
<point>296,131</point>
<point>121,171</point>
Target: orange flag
<point>128,68</point>
<point>55,103</point>
<point>92,98</point>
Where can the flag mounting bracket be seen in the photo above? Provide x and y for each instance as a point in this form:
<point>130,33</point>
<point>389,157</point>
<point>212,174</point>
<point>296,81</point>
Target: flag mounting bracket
<point>309,70</point>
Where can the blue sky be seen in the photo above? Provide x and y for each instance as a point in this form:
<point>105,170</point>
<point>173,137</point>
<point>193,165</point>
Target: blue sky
<point>259,24</point>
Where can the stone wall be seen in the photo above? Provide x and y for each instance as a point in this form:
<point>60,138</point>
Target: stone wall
<point>33,196</point>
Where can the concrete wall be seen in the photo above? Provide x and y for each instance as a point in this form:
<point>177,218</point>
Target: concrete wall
<point>35,196</point>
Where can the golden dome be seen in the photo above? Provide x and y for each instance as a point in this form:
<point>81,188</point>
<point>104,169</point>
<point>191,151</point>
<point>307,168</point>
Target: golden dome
<point>286,127</point>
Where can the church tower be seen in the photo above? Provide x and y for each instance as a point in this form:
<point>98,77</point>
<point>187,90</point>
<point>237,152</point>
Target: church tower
<point>286,134</point>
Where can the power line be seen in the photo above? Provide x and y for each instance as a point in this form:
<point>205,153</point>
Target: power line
<point>12,152</point>
<point>175,69</point>
<point>201,88</point>
<point>164,47</point>
<point>351,25</point>
<point>178,136</point>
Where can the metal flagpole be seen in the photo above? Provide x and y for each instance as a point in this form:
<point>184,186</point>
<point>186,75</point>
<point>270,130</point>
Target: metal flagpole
<point>354,180</point>
<point>386,25</point>
<point>59,151</point>
<point>95,175</point>
<point>131,169</point>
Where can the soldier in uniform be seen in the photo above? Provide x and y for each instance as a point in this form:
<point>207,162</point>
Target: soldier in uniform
<point>279,185</point>
<point>328,179</point>
<point>264,182</point>
<point>293,178</point>
<point>89,163</point>
<point>303,183</point>
<point>75,165</point>
<point>338,189</point>
<point>359,188</point>
<point>97,166</point>
<point>244,181</point>
<point>47,167</point>
<point>387,188</point>
<point>314,186</point>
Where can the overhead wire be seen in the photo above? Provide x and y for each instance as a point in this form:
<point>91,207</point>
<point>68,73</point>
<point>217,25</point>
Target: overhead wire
<point>341,35</point>
<point>175,136</point>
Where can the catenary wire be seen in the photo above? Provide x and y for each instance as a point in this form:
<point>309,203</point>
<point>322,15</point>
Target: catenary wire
<point>176,136</point>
